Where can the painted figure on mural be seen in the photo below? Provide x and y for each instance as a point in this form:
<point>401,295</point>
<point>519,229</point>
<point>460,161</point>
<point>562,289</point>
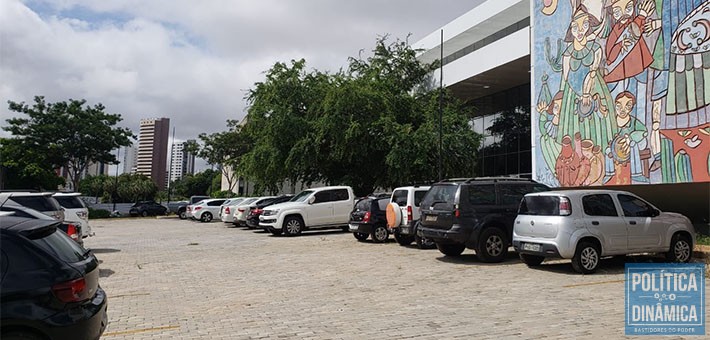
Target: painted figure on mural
<point>627,54</point>
<point>628,144</point>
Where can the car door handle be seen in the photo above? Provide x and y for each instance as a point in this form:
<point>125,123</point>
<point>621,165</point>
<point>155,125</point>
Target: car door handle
<point>632,222</point>
<point>595,222</point>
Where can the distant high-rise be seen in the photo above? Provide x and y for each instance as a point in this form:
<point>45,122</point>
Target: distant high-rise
<point>183,162</point>
<point>129,160</point>
<point>152,149</point>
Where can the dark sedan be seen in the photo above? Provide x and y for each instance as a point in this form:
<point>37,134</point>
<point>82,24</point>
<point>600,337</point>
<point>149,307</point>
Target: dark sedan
<point>147,208</point>
<point>49,284</point>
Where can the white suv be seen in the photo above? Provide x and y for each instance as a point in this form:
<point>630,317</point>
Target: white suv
<point>585,225</point>
<point>315,208</point>
<point>75,210</point>
<point>403,214</point>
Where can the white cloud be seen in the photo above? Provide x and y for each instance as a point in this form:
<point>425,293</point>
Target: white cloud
<point>187,60</point>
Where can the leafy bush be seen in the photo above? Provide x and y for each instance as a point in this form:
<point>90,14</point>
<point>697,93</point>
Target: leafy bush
<point>99,213</point>
<point>703,239</point>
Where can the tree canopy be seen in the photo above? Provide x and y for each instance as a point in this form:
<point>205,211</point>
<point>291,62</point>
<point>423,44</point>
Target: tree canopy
<point>67,134</point>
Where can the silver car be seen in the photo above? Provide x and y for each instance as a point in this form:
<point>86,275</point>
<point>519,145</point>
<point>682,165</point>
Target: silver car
<point>585,225</point>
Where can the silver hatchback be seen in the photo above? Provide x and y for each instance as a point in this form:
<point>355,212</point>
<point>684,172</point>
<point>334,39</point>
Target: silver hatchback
<point>586,225</point>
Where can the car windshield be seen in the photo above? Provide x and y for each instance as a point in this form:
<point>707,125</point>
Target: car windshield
<point>540,205</point>
<point>248,201</point>
<point>302,196</point>
<point>445,193</point>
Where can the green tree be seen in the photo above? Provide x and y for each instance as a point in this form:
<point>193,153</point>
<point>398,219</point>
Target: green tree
<point>196,184</point>
<point>225,150</point>
<point>26,168</point>
<point>68,134</point>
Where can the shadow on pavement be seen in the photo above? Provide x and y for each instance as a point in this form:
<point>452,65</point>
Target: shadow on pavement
<point>472,259</point>
<point>104,250</point>
<point>106,272</point>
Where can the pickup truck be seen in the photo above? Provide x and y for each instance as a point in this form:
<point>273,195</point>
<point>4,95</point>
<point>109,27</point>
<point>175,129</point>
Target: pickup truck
<point>181,207</point>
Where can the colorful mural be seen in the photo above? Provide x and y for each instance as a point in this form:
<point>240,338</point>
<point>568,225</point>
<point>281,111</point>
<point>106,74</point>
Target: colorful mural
<point>621,89</point>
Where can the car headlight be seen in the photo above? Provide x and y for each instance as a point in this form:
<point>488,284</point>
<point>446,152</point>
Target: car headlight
<point>270,212</point>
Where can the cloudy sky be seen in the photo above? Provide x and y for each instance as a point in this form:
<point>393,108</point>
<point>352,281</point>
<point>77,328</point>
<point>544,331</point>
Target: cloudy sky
<point>191,61</point>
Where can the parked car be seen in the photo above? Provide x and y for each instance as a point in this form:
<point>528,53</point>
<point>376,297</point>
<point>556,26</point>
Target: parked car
<point>244,206</point>
<point>474,213</point>
<point>369,217</point>
<point>316,208</point>
<point>182,210</point>
<point>254,213</point>
<point>242,210</point>
<point>147,208</point>
<point>49,285</point>
<point>40,201</point>
<point>207,209</point>
<point>75,210</point>
<point>586,225</point>
<point>226,210</point>
<point>403,220</point>
<point>72,229</point>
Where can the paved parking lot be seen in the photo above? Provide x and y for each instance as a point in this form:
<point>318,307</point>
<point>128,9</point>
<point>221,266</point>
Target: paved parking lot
<point>173,279</point>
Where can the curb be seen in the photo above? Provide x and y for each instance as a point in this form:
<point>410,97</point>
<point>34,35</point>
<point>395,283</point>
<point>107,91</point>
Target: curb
<point>701,251</point>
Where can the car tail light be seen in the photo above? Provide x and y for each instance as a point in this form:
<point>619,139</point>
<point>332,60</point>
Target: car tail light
<point>240,210</point>
<point>409,213</point>
<point>457,213</point>
<point>198,208</point>
<point>257,211</point>
<point>366,218</point>
<point>71,231</point>
<point>71,291</point>
<point>565,208</point>
<point>226,210</point>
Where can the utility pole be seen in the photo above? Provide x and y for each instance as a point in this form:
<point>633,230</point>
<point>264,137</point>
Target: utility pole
<point>441,100</point>
<point>115,182</point>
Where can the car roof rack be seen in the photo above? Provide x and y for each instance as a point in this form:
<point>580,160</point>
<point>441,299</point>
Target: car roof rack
<point>500,179</point>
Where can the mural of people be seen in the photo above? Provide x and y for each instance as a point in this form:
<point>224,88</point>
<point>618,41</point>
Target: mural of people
<point>634,89</point>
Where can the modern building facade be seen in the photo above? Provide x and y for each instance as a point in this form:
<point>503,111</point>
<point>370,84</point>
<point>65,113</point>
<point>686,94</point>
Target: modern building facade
<point>152,152</point>
<point>182,162</point>
<point>615,101</point>
<point>130,158</point>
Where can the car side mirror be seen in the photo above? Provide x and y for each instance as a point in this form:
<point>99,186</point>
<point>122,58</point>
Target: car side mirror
<point>311,200</point>
<point>655,212</point>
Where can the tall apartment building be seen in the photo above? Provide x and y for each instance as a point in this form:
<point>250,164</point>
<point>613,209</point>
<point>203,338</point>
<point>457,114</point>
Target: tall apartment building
<point>152,149</point>
<point>130,159</point>
<point>182,162</point>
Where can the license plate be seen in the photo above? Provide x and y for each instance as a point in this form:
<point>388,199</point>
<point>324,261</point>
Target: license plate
<point>430,218</point>
<point>531,246</point>
<point>353,226</point>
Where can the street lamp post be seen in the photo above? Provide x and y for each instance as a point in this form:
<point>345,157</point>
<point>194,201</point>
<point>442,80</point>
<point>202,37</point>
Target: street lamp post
<point>115,183</point>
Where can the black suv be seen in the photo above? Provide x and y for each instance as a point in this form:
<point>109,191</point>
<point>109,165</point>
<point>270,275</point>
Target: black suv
<point>49,285</point>
<point>474,213</point>
<point>146,208</point>
<point>369,217</point>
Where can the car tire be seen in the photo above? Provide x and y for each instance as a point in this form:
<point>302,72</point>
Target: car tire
<point>292,226</point>
<point>183,214</point>
<point>492,245</point>
<point>403,240</point>
<point>451,249</point>
<point>144,213</point>
<point>424,243</point>
<point>206,217</point>
<point>380,234</point>
<point>586,258</point>
<point>21,336</point>
<point>361,236</point>
<point>532,260</point>
<point>681,250</point>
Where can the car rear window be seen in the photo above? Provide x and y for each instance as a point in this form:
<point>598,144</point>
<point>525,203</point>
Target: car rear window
<point>382,203</point>
<point>418,196</point>
<point>540,205</point>
<point>70,202</point>
<point>441,194</point>
<point>363,204</point>
<point>400,197</point>
<point>39,203</point>
<point>482,194</point>
<point>59,244</point>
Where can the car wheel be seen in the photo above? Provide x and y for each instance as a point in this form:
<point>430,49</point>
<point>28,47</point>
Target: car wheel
<point>451,249</point>
<point>532,260</point>
<point>681,250</point>
<point>492,245</point>
<point>403,240</point>
<point>21,336</point>
<point>380,234</point>
<point>586,258</point>
<point>206,217</point>
<point>183,214</point>
<point>424,243</point>
<point>361,236</point>
<point>144,213</point>
<point>292,226</point>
